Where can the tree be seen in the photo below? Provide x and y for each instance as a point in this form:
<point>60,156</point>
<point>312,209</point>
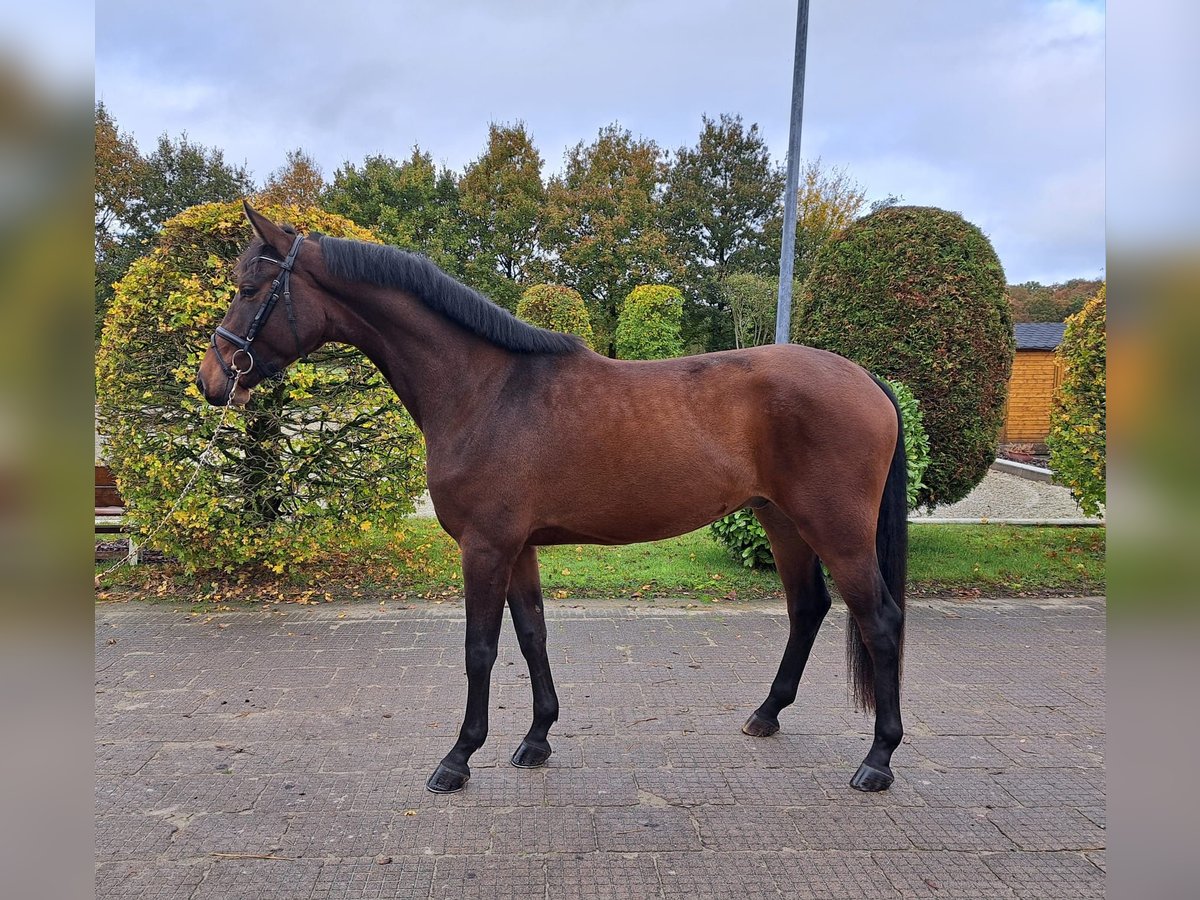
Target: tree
<point>753,301</point>
<point>325,450</point>
<point>1035,302</point>
<point>557,308</point>
<point>135,195</point>
<point>650,323</point>
<point>602,229</point>
<point>180,174</point>
<point>409,204</point>
<point>119,172</point>
<point>827,202</point>
<point>298,182</point>
<point>1079,426</point>
<point>502,198</point>
<point>719,197</point>
<point>917,294</point>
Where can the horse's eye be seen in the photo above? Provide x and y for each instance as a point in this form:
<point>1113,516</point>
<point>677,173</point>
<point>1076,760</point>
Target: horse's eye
<point>247,290</point>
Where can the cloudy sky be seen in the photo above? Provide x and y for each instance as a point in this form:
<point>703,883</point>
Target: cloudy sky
<point>992,108</point>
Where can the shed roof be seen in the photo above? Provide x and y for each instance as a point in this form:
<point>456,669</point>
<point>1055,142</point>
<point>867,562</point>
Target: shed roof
<point>1039,335</point>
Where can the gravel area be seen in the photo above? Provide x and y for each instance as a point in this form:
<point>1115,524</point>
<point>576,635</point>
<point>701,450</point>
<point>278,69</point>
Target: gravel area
<point>1004,496</point>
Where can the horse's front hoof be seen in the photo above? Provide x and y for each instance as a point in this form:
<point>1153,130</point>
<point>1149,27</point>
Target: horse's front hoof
<point>760,726</point>
<point>447,781</point>
<point>530,756</point>
<point>870,779</point>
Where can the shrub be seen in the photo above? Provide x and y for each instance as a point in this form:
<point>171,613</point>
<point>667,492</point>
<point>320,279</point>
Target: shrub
<point>1078,426</point>
<point>744,536</point>
<point>650,324</point>
<point>558,308</point>
<point>917,294</point>
<point>328,451</point>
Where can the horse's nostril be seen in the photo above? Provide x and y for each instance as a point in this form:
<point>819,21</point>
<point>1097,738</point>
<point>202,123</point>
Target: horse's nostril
<point>200,383</point>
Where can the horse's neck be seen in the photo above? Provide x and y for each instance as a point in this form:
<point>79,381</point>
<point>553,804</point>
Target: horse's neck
<point>441,372</point>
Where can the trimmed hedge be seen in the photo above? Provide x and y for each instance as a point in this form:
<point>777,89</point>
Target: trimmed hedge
<point>917,294</point>
<point>324,454</point>
<point>1078,427</point>
<point>558,308</point>
<point>743,535</point>
<point>650,325</point>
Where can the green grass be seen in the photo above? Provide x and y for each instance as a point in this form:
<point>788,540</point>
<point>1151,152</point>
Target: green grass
<point>422,560</point>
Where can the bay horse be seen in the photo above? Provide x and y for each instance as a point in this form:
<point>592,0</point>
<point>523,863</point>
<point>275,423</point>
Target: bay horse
<point>532,439</point>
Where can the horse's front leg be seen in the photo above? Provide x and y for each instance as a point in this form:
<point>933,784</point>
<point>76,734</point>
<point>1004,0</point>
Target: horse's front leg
<point>529,618</point>
<point>486,572</point>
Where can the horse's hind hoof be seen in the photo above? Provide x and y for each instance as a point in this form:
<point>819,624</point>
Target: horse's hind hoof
<point>530,756</point>
<point>760,726</point>
<point>447,781</point>
<point>870,779</point>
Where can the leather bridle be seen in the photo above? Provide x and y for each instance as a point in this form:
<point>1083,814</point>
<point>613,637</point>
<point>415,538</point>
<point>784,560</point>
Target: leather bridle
<point>280,287</point>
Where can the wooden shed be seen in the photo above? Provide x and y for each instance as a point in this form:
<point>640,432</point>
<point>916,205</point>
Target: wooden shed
<point>1036,375</point>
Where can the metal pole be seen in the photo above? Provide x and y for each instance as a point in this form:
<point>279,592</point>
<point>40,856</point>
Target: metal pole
<point>787,253</point>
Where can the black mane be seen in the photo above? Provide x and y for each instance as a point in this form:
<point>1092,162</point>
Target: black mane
<point>412,273</point>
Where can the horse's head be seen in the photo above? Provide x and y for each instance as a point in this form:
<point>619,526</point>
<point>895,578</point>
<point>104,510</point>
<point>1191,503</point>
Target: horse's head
<point>256,340</point>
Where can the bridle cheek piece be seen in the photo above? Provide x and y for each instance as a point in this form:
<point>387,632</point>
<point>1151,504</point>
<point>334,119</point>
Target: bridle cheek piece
<point>280,287</point>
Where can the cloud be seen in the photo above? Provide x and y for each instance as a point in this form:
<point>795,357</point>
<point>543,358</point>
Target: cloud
<point>985,107</point>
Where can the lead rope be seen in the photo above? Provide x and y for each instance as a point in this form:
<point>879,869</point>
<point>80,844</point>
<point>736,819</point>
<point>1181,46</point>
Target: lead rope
<point>128,558</point>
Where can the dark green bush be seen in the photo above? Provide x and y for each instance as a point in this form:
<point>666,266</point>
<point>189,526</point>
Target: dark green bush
<point>323,455</point>
<point>745,538</point>
<point>558,308</point>
<point>1078,428</point>
<point>917,294</point>
<point>650,324</point>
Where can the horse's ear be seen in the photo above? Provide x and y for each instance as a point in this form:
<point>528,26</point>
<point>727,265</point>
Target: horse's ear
<point>271,233</point>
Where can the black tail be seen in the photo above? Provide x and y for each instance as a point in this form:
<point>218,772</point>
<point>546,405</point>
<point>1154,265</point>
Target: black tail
<point>891,549</point>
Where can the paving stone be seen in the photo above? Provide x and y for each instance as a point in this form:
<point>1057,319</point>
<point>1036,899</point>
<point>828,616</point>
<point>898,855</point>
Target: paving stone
<point>711,874</point>
<point>645,829</point>
<point>1049,828</point>
<point>149,879</point>
<point>1048,875</point>
<point>400,878</point>
<point>262,879</point>
<point>544,830</point>
<point>829,874</point>
<point>308,737</point>
<point>727,828</point>
<point>488,877</point>
<point>602,876</point>
<point>950,829</point>
<point>941,874</point>
<point>832,828</point>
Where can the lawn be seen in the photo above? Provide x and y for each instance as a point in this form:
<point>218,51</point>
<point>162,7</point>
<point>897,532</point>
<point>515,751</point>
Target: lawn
<point>420,560</point>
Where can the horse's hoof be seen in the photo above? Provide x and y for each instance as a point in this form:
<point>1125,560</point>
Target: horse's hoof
<point>760,726</point>
<point>447,781</point>
<point>870,779</point>
<point>530,756</point>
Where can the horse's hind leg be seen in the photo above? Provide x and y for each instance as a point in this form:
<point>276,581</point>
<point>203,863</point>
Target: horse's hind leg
<point>529,619</point>
<point>807,603</point>
<point>876,672</point>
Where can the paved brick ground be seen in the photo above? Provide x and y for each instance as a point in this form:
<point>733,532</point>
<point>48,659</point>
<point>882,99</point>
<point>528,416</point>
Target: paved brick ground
<point>282,754</point>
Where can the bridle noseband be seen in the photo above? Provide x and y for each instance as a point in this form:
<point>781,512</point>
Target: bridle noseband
<point>281,286</point>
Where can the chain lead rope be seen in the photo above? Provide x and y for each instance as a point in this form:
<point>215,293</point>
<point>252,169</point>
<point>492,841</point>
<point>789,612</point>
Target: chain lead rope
<point>130,555</point>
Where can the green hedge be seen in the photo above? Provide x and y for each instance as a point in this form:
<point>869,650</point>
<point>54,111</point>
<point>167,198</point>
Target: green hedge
<point>650,324</point>
<point>326,453</point>
<point>558,308</point>
<point>917,294</point>
<point>1078,428</point>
